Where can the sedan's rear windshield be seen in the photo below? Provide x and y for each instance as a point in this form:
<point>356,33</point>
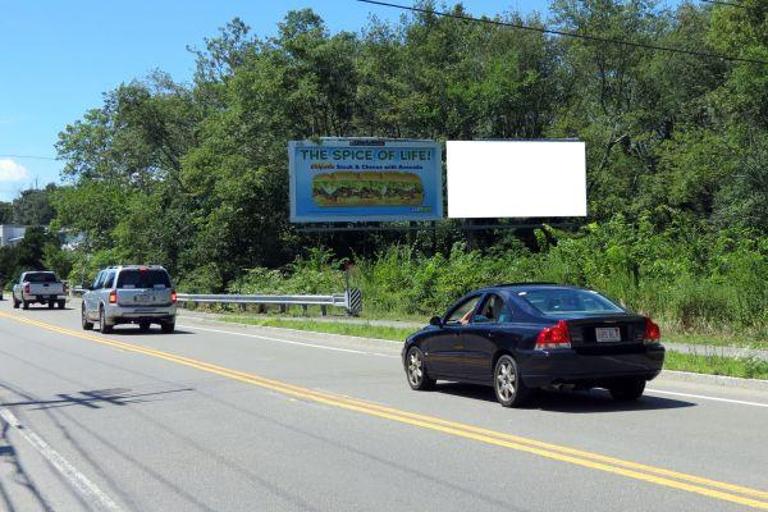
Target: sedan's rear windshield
<point>40,277</point>
<point>555,301</point>
<point>150,278</point>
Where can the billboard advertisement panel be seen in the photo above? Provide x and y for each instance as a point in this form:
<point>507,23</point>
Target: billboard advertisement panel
<point>500,179</point>
<point>362,180</point>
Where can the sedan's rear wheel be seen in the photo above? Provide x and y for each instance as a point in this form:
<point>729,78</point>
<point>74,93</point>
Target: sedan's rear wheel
<point>510,389</point>
<point>416,371</point>
<point>15,304</point>
<point>24,304</point>
<point>627,390</point>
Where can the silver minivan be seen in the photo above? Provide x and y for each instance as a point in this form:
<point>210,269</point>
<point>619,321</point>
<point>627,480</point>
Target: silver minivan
<point>130,294</point>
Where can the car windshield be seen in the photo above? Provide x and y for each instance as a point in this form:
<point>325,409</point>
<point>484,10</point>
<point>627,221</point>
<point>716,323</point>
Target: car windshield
<point>150,278</point>
<point>40,277</point>
<point>556,301</point>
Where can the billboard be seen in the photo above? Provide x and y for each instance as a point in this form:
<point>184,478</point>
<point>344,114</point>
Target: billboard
<point>498,179</point>
<point>361,180</point>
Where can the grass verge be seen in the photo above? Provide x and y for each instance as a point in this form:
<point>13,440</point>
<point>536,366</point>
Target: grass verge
<point>746,368</point>
<point>365,330</point>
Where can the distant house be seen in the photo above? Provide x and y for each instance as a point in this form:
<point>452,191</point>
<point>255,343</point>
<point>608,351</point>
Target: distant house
<point>11,234</point>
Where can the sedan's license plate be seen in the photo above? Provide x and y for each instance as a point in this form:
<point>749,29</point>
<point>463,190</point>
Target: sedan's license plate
<point>607,334</point>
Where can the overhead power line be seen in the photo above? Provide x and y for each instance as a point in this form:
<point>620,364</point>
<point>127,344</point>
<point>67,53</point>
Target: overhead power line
<point>721,2</point>
<point>32,157</point>
<point>576,35</point>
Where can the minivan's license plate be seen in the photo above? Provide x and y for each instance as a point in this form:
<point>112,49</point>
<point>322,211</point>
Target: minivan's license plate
<point>607,334</point>
<point>142,298</point>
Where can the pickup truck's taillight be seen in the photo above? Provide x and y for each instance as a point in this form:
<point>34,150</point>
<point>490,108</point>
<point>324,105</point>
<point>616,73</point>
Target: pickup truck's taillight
<point>556,336</point>
<point>66,288</point>
<point>113,297</point>
<point>652,332</point>
<point>27,288</point>
<point>173,296</point>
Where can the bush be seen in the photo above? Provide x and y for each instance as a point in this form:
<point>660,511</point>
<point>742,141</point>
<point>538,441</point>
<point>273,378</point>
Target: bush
<point>687,278</point>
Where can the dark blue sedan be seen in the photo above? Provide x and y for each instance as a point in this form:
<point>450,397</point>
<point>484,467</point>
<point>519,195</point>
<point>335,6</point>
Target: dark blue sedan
<point>518,337</point>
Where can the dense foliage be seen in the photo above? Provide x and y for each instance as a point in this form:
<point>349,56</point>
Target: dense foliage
<point>194,176</point>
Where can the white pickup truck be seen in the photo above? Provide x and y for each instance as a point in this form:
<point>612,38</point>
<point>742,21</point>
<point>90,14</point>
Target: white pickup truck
<point>39,288</point>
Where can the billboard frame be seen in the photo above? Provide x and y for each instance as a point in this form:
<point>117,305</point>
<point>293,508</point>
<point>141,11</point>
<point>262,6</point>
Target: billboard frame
<point>437,215</point>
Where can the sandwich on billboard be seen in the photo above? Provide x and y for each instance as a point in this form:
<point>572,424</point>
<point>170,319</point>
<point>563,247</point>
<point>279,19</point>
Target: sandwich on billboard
<point>361,180</point>
<point>498,179</point>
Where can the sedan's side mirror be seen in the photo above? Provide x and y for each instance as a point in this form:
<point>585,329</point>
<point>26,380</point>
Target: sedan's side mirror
<point>435,320</point>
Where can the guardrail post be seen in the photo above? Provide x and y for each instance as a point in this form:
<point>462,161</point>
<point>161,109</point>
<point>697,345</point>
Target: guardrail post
<point>305,309</point>
<point>324,310</point>
<point>283,308</point>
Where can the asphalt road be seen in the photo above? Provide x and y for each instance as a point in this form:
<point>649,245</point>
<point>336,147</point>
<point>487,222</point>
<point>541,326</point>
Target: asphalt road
<point>220,418</point>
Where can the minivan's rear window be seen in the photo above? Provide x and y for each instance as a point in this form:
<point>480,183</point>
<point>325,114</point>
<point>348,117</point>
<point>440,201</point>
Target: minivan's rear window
<point>149,278</point>
<point>40,277</point>
<point>554,301</point>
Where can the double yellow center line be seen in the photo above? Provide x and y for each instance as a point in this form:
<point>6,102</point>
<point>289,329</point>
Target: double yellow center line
<point>711,488</point>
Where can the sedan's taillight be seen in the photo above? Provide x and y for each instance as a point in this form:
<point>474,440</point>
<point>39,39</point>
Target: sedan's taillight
<point>652,332</point>
<point>27,288</point>
<point>556,336</point>
<point>113,297</point>
<point>173,296</point>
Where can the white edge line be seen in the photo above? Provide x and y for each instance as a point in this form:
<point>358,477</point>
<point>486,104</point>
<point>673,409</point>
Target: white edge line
<point>290,342</point>
<point>86,488</point>
<point>705,397</point>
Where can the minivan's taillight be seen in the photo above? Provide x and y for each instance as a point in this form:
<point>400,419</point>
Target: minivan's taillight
<point>173,296</point>
<point>652,331</point>
<point>556,336</point>
<point>113,297</point>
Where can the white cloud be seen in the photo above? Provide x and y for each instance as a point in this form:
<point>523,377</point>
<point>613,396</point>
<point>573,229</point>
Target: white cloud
<point>11,171</point>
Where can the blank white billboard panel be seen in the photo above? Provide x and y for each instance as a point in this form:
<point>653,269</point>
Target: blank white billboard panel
<point>516,179</point>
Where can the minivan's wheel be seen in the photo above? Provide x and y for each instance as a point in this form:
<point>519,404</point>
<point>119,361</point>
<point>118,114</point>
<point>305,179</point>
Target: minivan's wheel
<point>627,390</point>
<point>24,304</point>
<point>416,372</point>
<point>144,326</point>
<point>62,303</point>
<point>168,327</point>
<point>87,326</point>
<point>104,327</point>
<point>509,387</point>
<point>15,304</point>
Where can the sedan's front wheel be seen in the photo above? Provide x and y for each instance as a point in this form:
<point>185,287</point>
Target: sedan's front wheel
<point>416,372</point>
<point>510,388</point>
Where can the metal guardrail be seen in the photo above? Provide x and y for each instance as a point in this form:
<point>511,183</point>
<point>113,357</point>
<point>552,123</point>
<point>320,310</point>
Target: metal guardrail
<point>351,300</point>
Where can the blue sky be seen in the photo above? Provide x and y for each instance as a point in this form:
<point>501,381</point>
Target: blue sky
<point>57,58</point>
